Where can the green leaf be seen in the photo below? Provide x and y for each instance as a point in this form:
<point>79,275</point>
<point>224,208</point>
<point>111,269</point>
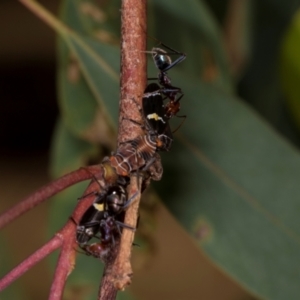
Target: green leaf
<point>234,185</point>
<point>229,179</point>
<point>69,152</point>
<point>190,27</point>
<point>88,75</point>
<point>94,81</point>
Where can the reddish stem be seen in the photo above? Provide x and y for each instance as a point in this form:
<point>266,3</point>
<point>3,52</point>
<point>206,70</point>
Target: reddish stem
<point>118,269</point>
<point>29,262</point>
<point>66,261</point>
<point>64,238</point>
<point>133,67</point>
<point>107,289</point>
<point>47,191</point>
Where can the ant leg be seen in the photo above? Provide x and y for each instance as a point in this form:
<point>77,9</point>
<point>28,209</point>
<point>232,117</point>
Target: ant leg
<point>140,110</point>
<point>136,123</point>
<point>171,89</point>
<point>149,163</point>
<point>95,178</point>
<point>118,227</point>
<point>181,57</point>
<point>123,225</point>
<point>180,123</point>
<point>129,201</point>
<point>91,224</point>
<point>86,195</point>
<point>172,51</point>
<point>178,99</point>
<point>175,62</point>
<point>154,93</point>
<point>153,172</point>
<point>73,220</point>
<point>82,252</point>
<point>161,43</point>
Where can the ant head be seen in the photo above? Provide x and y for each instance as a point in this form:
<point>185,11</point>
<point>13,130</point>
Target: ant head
<point>116,198</point>
<point>161,59</point>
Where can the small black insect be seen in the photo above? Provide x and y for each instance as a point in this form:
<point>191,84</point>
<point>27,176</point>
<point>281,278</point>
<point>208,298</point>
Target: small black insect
<point>157,124</point>
<point>163,62</point>
<point>109,229</point>
<point>139,154</point>
<point>104,216</point>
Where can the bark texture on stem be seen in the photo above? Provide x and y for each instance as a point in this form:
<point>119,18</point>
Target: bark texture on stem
<point>133,67</point>
<point>118,271</point>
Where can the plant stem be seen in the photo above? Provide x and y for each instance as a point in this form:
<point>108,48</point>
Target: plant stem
<point>46,192</point>
<point>118,271</point>
<point>29,262</point>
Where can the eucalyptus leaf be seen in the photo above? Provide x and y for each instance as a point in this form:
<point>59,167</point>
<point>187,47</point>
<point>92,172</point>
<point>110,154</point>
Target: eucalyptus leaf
<point>69,152</point>
<point>88,73</point>
<point>190,27</point>
<point>232,182</point>
<point>95,80</point>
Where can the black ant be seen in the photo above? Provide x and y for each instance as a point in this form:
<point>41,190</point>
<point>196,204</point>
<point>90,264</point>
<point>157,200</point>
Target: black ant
<point>105,215</point>
<point>139,154</point>
<point>163,62</point>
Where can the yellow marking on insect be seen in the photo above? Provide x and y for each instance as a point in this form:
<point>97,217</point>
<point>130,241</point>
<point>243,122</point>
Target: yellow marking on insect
<point>156,117</point>
<point>99,207</point>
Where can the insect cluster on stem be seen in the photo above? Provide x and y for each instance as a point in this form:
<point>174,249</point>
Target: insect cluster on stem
<point>105,218</point>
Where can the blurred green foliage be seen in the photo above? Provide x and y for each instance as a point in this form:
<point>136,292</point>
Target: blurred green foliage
<point>231,180</point>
